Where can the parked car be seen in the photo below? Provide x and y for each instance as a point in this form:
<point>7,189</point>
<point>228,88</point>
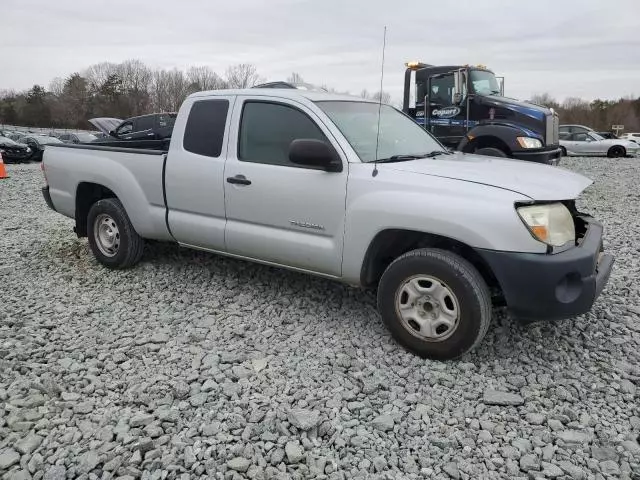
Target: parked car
<point>14,152</point>
<point>586,144</point>
<point>350,190</point>
<point>38,144</point>
<point>77,137</point>
<point>633,137</point>
<point>155,126</point>
<point>17,136</point>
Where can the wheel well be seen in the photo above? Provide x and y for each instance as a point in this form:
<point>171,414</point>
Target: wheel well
<point>86,195</point>
<point>487,141</point>
<point>390,244</point>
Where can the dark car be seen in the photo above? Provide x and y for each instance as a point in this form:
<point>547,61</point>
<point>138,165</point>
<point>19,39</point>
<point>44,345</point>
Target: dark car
<point>14,152</point>
<point>38,143</point>
<point>77,137</point>
<point>17,136</point>
<point>155,126</point>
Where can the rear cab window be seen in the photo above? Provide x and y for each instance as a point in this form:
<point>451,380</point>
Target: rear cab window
<point>204,131</point>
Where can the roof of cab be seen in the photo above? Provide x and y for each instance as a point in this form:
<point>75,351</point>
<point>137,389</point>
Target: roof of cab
<point>314,96</point>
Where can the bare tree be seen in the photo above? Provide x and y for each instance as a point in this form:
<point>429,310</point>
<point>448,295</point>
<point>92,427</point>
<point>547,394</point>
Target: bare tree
<point>384,97</point>
<point>203,78</point>
<point>243,75</point>
<point>56,86</point>
<point>170,87</point>
<point>98,74</point>
<point>545,100</point>
<point>295,78</point>
<point>136,82</point>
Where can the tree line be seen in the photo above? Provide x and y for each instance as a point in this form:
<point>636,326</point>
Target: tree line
<point>598,114</point>
<point>123,90</point>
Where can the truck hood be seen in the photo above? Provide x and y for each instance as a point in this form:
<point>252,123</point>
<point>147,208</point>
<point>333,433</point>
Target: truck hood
<point>105,124</point>
<point>535,180</point>
<point>525,108</point>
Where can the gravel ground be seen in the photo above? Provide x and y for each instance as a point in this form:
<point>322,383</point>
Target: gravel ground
<point>196,366</point>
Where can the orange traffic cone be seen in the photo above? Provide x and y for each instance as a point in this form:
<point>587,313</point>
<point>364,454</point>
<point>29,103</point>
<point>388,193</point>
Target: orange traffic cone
<point>3,172</point>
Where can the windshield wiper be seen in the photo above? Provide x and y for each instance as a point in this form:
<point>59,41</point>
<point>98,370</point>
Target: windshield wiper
<point>402,158</point>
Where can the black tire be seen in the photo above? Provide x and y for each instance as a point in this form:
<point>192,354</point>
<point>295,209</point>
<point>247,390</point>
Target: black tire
<point>464,281</point>
<point>563,151</point>
<point>616,152</point>
<point>131,245</point>
<point>491,152</point>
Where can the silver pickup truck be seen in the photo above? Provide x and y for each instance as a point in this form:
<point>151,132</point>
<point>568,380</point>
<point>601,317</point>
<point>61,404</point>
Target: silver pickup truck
<point>350,190</point>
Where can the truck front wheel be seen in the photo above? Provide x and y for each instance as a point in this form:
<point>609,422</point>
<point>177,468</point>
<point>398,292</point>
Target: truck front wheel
<point>435,303</point>
<point>491,152</point>
<point>112,238</point>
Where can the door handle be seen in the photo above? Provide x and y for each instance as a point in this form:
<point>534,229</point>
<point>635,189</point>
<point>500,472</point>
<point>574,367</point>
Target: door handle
<point>239,180</point>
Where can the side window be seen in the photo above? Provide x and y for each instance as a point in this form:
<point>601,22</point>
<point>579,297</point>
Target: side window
<point>267,130</point>
<point>64,136</point>
<point>166,120</point>
<point>580,137</point>
<point>442,90</point>
<point>204,131</point>
<point>144,123</point>
<point>125,129</point>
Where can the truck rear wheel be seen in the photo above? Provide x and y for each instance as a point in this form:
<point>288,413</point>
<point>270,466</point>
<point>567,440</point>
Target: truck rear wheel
<point>435,303</point>
<point>491,152</point>
<point>112,238</point>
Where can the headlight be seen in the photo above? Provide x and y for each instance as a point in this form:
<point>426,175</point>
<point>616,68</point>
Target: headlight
<point>528,142</point>
<point>550,223</point>
<point>28,150</point>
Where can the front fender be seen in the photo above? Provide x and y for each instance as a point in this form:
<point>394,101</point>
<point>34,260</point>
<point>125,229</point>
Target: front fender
<point>477,215</point>
<point>505,132</point>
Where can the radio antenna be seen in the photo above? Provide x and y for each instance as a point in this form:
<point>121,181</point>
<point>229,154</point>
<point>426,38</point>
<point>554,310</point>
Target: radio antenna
<point>384,45</point>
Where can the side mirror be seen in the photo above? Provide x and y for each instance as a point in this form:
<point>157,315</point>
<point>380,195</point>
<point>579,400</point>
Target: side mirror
<point>314,153</point>
<point>113,133</point>
<point>457,87</point>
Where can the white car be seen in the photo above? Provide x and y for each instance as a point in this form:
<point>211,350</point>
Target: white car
<point>633,137</point>
<point>590,144</point>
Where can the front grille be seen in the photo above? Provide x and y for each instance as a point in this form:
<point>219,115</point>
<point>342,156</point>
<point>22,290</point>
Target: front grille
<point>553,123</point>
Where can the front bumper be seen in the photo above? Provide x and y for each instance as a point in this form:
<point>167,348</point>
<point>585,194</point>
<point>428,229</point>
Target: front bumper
<point>15,156</point>
<point>553,286</point>
<point>549,155</point>
<point>47,197</point>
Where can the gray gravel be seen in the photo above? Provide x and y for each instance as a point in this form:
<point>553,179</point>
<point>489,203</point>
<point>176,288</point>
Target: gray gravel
<point>195,366</point>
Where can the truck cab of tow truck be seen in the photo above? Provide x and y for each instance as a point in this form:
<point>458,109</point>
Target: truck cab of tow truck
<point>465,108</point>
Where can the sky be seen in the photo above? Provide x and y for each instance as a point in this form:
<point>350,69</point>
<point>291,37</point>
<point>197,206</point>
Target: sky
<point>568,48</point>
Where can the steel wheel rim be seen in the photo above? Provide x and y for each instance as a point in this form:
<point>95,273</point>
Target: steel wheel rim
<point>427,308</point>
<point>107,235</point>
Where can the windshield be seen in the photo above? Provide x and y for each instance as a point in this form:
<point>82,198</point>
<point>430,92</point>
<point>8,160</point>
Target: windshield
<point>484,82</point>
<point>7,142</point>
<point>43,140</point>
<point>399,135</point>
<point>596,136</point>
<point>86,137</point>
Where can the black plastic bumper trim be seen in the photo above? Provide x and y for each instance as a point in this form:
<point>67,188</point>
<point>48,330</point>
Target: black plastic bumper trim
<point>553,286</point>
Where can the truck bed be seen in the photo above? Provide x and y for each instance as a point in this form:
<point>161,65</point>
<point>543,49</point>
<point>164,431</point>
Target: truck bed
<point>134,175</point>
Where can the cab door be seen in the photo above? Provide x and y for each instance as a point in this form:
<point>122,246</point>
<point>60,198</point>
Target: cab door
<point>279,212</point>
<point>447,117</point>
